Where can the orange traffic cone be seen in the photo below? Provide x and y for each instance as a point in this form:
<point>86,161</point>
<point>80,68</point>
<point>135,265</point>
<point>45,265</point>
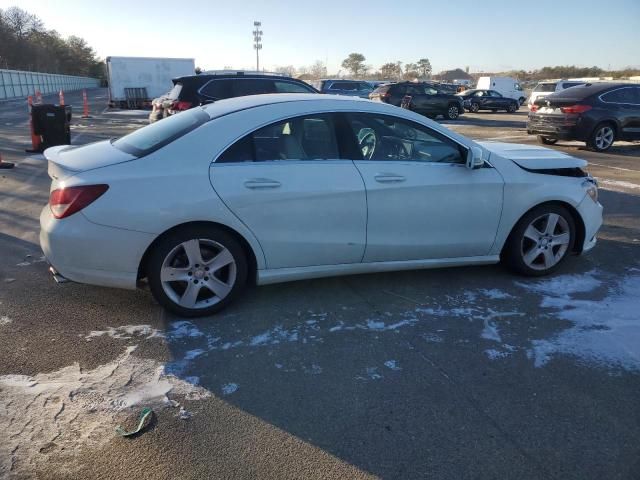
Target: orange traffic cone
<point>5,165</point>
<point>61,95</point>
<point>36,144</point>
<point>85,111</point>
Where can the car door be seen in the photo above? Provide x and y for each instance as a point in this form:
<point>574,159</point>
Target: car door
<point>496,100</point>
<point>624,103</point>
<point>287,184</point>
<point>423,202</point>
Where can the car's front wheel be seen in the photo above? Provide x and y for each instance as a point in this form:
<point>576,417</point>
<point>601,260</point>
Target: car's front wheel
<point>453,112</point>
<point>540,241</point>
<point>512,108</point>
<point>602,137</point>
<point>474,107</point>
<point>196,270</point>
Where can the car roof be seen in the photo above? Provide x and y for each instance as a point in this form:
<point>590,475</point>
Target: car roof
<point>235,104</point>
<point>587,89</point>
<point>207,77</point>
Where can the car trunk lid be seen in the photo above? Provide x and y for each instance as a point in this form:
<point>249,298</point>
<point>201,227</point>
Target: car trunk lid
<point>533,157</point>
<point>67,160</point>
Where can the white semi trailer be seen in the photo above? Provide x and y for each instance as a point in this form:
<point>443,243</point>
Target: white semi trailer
<point>135,81</point>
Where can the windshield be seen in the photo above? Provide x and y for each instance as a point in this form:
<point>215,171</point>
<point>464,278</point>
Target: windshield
<point>545,87</point>
<point>156,135</point>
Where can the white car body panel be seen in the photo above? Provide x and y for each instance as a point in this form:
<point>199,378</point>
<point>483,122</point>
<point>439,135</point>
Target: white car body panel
<point>174,185</point>
<point>423,214</point>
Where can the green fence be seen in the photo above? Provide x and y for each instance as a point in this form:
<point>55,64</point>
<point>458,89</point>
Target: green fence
<point>19,84</point>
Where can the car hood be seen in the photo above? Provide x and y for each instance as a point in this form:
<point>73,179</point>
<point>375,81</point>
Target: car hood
<point>65,160</point>
<point>533,157</point>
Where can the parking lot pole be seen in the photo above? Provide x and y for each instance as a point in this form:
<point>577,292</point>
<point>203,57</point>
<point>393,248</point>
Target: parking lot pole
<point>35,139</point>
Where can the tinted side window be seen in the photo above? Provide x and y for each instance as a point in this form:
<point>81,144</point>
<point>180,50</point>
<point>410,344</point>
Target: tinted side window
<point>383,137</point>
<point>241,151</point>
<point>290,87</point>
<point>217,89</point>
<point>243,87</point>
<point>621,95</point>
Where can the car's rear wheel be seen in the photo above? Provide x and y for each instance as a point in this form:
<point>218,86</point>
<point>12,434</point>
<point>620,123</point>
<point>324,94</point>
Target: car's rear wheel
<point>547,140</point>
<point>197,270</point>
<point>474,107</point>
<point>540,241</point>
<point>521,100</point>
<point>602,137</point>
<point>512,108</point>
<point>453,112</point>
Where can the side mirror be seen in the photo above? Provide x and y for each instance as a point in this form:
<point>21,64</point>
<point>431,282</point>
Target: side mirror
<point>474,158</point>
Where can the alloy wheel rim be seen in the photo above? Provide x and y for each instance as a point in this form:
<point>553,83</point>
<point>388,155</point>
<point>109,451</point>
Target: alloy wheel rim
<point>198,273</point>
<point>453,112</point>
<point>604,137</point>
<point>475,107</point>
<point>545,241</point>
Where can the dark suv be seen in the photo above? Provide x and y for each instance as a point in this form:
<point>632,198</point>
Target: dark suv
<point>595,113</point>
<point>425,98</point>
<point>194,90</point>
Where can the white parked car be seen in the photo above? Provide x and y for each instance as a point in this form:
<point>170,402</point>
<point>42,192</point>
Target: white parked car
<point>273,188</point>
<point>542,89</point>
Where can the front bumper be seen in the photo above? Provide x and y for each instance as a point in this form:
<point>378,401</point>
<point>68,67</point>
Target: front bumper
<point>591,213</point>
<point>85,252</point>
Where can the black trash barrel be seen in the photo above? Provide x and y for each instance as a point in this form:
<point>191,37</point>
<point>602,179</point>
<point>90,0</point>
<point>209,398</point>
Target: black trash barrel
<point>53,123</point>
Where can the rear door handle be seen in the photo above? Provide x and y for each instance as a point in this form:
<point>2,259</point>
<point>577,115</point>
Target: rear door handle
<point>389,178</point>
<point>256,183</point>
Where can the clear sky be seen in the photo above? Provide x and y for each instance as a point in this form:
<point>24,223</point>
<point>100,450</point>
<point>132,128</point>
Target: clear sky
<point>486,35</point>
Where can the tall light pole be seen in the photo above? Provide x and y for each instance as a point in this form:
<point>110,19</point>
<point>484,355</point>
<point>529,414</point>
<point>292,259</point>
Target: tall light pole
<point>257,38</point>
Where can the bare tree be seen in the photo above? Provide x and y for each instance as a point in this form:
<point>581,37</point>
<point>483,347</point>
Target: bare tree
<point>318,69</point>
<point>289,70</point>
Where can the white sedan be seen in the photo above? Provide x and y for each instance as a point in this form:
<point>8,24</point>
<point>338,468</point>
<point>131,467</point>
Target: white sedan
<point>273,188</point>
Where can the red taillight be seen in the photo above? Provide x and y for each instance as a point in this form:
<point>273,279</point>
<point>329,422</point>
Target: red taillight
<point>177,105</point>
<point>534,108</point>
<point>576,109</point>
<point>67,201</point>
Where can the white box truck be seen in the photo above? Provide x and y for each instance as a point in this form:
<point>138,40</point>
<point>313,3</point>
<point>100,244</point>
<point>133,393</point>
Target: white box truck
<point>505,86</point>
<point>135,81</point>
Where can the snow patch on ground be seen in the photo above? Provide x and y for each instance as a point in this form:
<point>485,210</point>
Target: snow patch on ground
<point>51,416</point>
<point>605,332</point>
<point>229,388</point>
<point>392,365</point>
<point>4,320</point>
<point>563,285</point>
<point>184,329</point>
<point>127,332</point>
<point>495,294</point>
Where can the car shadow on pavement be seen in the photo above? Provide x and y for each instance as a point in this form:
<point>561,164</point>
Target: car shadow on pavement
<point>415,373</point>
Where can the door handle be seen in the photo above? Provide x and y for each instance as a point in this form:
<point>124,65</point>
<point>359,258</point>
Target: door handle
<point>255,183</point>
<point>389,178</point>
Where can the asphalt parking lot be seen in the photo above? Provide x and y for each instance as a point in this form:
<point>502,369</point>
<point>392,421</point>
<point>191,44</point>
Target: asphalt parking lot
<point>465,373</point>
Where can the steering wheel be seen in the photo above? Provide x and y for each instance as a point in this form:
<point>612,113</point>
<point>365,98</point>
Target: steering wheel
<point>368,145</point>
<point>395,149</point>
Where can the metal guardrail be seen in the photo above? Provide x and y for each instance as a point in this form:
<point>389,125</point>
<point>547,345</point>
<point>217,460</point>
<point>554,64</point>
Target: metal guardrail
<point>20,84</point>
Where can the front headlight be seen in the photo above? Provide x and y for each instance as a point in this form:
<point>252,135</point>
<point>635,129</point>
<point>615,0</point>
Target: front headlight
<point>592,189</point>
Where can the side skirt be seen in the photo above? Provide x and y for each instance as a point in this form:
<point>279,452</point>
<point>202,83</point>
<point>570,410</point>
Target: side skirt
<point>278,275</point>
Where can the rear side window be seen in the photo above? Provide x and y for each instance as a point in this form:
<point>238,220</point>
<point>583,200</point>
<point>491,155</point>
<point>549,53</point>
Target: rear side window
<point>570,84</point>
<point>344,86</point>
<point>382,89</point>
<point>217,89</point>
<point>156,135</point>
<point>245,87</point>
<point>301,138</point>
<point>291,87</point>
<point>621,95</point>
<point>545,87</point>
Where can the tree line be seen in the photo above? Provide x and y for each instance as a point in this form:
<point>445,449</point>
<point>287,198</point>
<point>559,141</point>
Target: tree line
<point>25,44</point>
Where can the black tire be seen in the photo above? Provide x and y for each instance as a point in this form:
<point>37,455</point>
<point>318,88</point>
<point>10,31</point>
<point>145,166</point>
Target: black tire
<point>475,107</point>
<point>521,101</point>
<point>170,242</point>
<point>547,140</point>
<point>513,251</point>
<point>512,108</point>
<point>453,112</point>
<point>597,144</point>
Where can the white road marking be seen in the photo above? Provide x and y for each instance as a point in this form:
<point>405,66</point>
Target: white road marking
<point>614,168</point>
<point>617,183</point>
